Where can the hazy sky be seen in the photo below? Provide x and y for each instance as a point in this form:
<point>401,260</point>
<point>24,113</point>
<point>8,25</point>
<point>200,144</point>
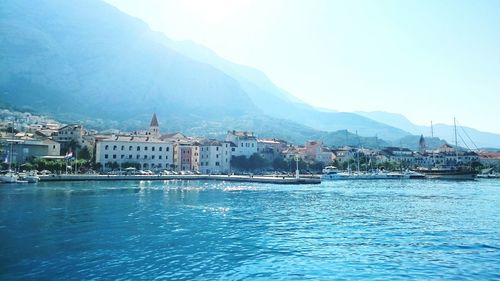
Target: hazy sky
<point>429,60</point>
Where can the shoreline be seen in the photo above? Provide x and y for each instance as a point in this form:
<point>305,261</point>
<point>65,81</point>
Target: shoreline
<point>233,178</point>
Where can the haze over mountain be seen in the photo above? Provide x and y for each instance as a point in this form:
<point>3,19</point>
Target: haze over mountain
<point>467,137</point>
<point>87,61</point>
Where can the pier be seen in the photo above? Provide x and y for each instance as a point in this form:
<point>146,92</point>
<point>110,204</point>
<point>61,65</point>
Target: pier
<point>233,178</point>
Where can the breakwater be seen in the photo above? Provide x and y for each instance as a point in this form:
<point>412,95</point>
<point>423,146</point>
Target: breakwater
<point>232,178</point>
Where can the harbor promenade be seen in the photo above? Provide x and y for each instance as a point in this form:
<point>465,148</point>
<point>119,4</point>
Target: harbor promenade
<point>233,178</point>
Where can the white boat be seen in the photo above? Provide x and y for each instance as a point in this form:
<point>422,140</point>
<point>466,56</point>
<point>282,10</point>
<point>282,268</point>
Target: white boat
<point>332,173</point>
<point>9,177</point>
<point>31,177</point>
<point>486,176</point>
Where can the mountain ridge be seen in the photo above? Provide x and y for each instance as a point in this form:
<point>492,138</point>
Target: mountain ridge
<point>87,60</point>
<point>467,137</point>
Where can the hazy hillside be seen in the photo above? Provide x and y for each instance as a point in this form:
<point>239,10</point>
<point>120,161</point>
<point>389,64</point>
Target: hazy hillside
<point>278,103</point>
<point>89,58</point>
<point>466,136</point>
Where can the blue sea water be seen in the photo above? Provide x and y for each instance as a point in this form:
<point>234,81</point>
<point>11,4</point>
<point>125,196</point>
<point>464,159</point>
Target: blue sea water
<point>192,230</point>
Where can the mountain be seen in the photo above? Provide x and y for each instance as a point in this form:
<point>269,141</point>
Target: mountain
<point>86,61</point>
<point>87,51</point>
<point>467,137</point>
<point>276,102</point>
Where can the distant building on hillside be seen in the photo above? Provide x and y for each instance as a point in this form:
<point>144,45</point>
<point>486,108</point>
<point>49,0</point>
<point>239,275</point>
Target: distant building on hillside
<point>75,134</point>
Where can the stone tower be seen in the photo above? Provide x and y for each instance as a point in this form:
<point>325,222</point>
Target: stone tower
<point>154,128</point>
<point>422,145</point>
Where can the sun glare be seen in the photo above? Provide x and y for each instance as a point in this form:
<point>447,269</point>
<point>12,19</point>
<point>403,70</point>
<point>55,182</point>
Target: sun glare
<point>215,11</point>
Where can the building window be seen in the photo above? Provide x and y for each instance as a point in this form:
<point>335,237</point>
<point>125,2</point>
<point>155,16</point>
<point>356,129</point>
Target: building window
<point>130,156</point>
<point>145,148</point>
<point>216,163</point>
<point>53,147</point>
<point>160,148</point>
<point>166,157</point>
<point>106,147</point>
<point>217,148</point>
<point>130,148</point>
<point>252,145</point>
<point>145,157</point>
<point>153,148</point>
<point>105,156</point>
<point>114,147</point>
<point>137,156</point>
<point>152,157</point>
<point>167,149</point>
<point>123,147</point>
<point>233,149</point>
<point>138,148</point>
<point>114,156</point>
<point>241,144</point>
<point>122,156</point>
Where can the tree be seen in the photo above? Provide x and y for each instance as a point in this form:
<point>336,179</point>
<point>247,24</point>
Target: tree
<point>256,162</point>
<point>316,166</point>
<point>84,153</point>
<point>280,164</point>
<point>252,163</point>
<point>239,162</point>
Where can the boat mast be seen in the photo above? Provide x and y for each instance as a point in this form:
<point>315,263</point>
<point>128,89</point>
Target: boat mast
<point>456,140</point>
<point>10,157</point>
<point>432,137</point>
<point>358,148</point>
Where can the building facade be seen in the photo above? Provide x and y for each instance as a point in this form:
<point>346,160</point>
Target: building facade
<point>148,152</point>
<point>246,142</point>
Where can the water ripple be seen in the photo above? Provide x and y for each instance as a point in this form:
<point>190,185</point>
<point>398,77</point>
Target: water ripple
<point>218,230</point>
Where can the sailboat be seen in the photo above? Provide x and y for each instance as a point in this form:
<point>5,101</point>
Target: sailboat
<point>9,176</point>
<point>452,172</point>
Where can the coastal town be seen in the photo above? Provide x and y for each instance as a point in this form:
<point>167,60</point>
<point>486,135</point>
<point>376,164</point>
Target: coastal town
<point>31,142</point>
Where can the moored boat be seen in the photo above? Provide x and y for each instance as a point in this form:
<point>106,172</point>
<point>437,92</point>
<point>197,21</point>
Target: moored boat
<point>9,177</point>
<point>30,177</point>
<point>449,173</point>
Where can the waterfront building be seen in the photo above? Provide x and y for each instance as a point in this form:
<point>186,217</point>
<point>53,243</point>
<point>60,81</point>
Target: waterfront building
<point>215,156</point>
<point>316,151</point>
<point>183,153</point>
<point>77,135</point>
<point>28,148</point>
<point>344,154</point>
<point>489,158</point>
<point>402,155</point>
<point>271,149</point>
<point>246,142</point>
<point>324,155</point>
<point>146,151</point>
<point>293,152</point>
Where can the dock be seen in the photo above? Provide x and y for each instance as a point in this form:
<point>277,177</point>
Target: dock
<point>232,178</point>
